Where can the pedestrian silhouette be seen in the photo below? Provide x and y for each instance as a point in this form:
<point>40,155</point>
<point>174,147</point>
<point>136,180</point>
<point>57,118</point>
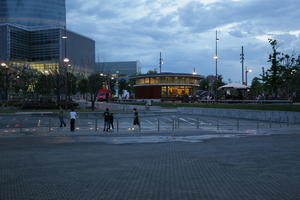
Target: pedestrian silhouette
<point>73,116</point>
<point>106,120</point>
<point>111,121</point>
<point>136,120</point>
<point>61,115</point>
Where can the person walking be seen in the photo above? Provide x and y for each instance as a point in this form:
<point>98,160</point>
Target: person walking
<point>61,116</point>
<point>106,120</point>
<point>136,120</point>
<point>111,121</point>
<point>73,116</point>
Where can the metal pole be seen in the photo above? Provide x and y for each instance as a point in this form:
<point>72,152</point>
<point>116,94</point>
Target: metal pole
<point>173,125</point>
<point>158,128</point>
<point>242,61</point>
<point>218,127</point>
<point>6,85</point>
<point>198,123</point>
<point>21,124</point>
<point>216,53</point>
<point>216,58</point>
<point>96,124</point>
<point>117,125</point>
<point>238,124</point>
<point>160,62</point>
<point>49,125</point>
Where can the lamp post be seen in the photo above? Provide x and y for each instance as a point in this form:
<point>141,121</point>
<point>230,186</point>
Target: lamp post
<point>247,71</point>
<point>6,81</point>
<point>117,84</point>
<point>66,62</point>
<point>160,62</point>
<point>216,59</point>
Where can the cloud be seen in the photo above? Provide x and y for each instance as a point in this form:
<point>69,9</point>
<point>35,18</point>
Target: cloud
<point>184,30</point>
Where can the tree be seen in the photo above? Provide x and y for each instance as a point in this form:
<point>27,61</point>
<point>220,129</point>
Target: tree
<point>44,84</point>
<point>204,84</point>
<point>123,85</point>
<point>272,79</point>
<point>83,87</point>
<point>71,84</point>
<point>24,80</point>
<point>95,81</point>
<point>152,71</point>
<point>218,82</point>
<point>256,87</point>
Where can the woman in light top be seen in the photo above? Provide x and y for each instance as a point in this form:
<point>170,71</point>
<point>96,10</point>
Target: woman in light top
<point>73,116</point>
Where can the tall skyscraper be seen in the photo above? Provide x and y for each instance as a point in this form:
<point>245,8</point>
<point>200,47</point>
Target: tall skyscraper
<point>33,33</point>
<point>33,14</point>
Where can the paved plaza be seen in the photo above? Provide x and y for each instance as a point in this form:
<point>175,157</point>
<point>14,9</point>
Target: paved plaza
<point>89,167</point>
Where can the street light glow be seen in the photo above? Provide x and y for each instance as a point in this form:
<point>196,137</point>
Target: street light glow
<point>3,64</point>
<point>66,60</point>
<point>64,37</point>
<point>215,57</point>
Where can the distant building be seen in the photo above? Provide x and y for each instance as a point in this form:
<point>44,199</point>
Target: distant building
<point>125,68</point>
<point>165,85</point>
<point>33,34</point>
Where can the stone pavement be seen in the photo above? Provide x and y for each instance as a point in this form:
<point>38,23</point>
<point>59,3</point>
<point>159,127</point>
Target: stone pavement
<point>257,167</point>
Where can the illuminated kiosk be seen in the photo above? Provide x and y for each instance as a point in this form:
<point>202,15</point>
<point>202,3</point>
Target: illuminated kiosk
<point>165,86</point>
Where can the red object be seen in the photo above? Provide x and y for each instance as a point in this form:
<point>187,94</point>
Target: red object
<point>104,94</point>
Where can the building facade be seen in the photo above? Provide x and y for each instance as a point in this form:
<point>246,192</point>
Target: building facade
<point>165,85</point>
<point>33,34</point>
<point>125,68</point>
<point>33,14</point>
<point>45,49</point>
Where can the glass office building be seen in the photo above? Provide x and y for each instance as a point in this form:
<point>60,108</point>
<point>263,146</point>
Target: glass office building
<point>31,34</point>
<point>33,13</point>
<point>45,49</point>
<point>125,68</point>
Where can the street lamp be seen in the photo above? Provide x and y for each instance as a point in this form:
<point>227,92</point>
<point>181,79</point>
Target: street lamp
<point>6,81</point>
<point>117,84</point>
<point>194,72</point>
<point>216,57</point>
<point>247,70</point>
<point>66,62</point>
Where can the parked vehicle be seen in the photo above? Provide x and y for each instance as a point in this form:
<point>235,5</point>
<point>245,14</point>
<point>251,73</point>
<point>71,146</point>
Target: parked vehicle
<point>104,94</point>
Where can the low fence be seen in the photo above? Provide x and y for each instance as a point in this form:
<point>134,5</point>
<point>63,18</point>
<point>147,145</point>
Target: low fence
<point>123,123</point>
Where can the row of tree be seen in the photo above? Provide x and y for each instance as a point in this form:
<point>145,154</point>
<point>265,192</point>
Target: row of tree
<point>25,83</point>
<point>281,80</point>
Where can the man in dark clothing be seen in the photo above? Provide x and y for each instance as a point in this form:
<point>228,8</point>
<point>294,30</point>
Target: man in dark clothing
<point>111,121</point>
<point>106,120</point>
<point>136,120</point>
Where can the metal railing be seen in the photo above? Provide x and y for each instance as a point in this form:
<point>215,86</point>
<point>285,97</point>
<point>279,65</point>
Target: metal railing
<point>155,123</point>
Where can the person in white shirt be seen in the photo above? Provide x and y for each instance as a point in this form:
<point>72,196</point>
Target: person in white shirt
<point>73,116</point>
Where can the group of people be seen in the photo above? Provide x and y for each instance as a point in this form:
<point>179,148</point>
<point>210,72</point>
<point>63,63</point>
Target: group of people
<point>108,119</point>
